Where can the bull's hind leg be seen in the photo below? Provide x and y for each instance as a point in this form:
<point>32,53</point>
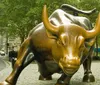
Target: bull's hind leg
<point>18,67</point>
<point>88,76</point>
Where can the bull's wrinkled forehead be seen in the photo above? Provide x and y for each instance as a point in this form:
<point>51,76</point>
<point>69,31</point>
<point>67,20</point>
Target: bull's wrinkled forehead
<point>72,29</point>
<point>71,35</point>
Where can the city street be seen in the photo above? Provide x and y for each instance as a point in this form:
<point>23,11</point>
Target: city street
<point>30,74</point>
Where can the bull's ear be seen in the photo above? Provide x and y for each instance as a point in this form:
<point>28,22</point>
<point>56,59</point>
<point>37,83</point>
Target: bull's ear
<point>51,35</point>
<point>90,42</point>
<point>80,40</point>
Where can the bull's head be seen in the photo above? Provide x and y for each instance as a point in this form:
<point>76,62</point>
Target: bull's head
<point>69,42</point>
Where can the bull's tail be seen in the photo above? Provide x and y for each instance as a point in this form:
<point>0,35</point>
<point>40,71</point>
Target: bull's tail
<point>76,10</point>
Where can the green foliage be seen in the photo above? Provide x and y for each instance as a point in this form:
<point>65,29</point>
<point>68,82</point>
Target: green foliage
<point>88,5</point>
<point>18,17</point>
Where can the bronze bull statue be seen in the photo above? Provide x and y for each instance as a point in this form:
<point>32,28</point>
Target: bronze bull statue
<point>62,41</point>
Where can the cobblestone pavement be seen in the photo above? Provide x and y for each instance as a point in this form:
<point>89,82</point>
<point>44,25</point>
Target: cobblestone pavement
<point>29,76</point>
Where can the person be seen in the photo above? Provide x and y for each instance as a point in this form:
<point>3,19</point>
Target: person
<point>12,56</point>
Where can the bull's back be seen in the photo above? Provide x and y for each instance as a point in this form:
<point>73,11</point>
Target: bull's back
<point>59,17</point>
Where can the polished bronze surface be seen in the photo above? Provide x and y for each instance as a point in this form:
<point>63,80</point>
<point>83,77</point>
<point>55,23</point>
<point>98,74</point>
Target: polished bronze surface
<point>60,44</point>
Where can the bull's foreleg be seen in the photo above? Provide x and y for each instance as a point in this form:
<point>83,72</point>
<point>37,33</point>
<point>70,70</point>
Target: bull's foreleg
<point>18,67</point>
<point>88,76</point>
<point>63,80</point>
<point>44,73</point>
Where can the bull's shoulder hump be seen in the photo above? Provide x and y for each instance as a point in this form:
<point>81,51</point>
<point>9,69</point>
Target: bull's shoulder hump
<point>36,27</point>
<point>57,12</point>
<point>81,18</point>
<point>84,21</point>
<point>61,16</point>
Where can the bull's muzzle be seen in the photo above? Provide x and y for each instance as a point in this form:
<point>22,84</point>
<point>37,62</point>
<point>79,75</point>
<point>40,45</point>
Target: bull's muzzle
<point>69,65</point>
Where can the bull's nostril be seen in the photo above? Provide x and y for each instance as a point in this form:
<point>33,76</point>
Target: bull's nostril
<point>69,66</point>
<point>74,62</point>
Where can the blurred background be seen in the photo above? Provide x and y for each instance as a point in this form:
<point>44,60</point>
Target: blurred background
<point>18,17</point>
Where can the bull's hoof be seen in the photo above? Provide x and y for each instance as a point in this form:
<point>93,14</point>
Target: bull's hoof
<point>43,78</point>
<point>61,84</point>
<point>5,83</point>
<point>88,78</point>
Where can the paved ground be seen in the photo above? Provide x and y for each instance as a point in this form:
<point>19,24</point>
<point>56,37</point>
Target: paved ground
<point>30,74</point>
<point>2,64</point>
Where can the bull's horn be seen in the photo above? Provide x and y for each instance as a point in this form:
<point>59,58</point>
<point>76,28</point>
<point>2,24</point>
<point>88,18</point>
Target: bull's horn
<point>96,29</point>
<point>47,24</point>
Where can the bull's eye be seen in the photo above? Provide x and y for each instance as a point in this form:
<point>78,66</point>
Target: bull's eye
<point>59,42</point>
<point>62,40</point>
<point>81,41</point>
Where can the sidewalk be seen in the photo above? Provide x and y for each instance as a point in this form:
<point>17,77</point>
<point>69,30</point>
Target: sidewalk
<point>3,63</point>
<point>30,74</point>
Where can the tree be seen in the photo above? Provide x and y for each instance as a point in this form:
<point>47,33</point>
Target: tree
<point>20,16</point>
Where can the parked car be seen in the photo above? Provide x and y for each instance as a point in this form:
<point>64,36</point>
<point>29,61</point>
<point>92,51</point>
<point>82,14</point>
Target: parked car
<point>2,53</point>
